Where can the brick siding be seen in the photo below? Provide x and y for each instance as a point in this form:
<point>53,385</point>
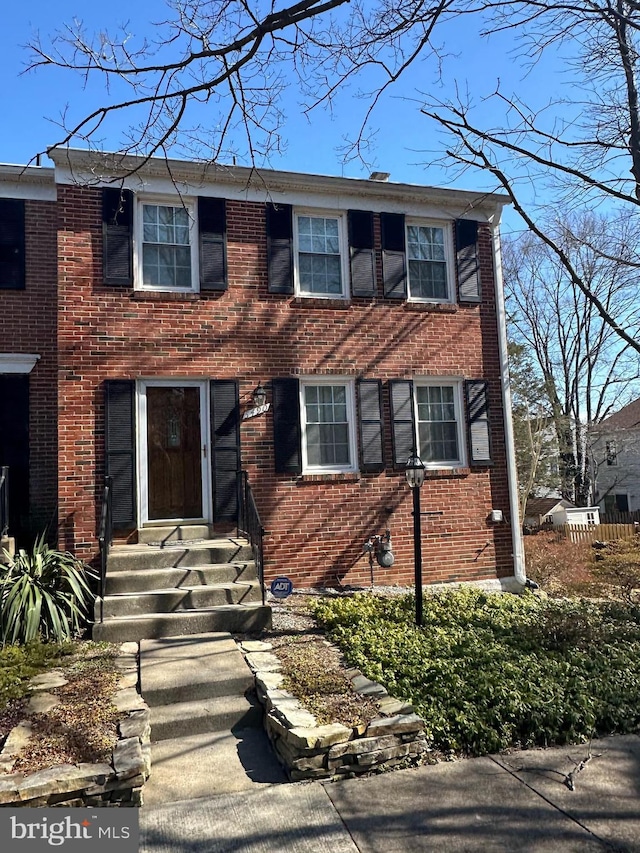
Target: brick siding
<point>316,526</point>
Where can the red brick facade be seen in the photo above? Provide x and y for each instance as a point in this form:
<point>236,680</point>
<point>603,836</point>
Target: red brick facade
<point>316,525</point>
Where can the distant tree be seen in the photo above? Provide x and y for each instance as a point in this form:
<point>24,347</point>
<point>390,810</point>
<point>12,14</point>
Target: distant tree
<point>585,369</point>
<point>534,433</point>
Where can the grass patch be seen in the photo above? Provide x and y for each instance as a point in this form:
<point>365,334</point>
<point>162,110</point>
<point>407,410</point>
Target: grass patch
<point>488,672</point>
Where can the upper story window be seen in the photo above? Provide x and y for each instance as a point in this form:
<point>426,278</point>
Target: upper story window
<point>319,242</point>
<point>12,244</point>
<point>166,246</point>
<point>163,244</point>
<point>611,453</point>
<point>429,262</point>
<point>328,417</point>
<point>439,423</point>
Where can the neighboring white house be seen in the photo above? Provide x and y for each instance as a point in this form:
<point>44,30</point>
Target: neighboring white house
<point>615,453</point>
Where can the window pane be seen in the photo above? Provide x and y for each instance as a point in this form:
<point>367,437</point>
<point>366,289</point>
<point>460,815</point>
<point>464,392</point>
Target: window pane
<point>327,428</point>
<point>427,262</point>
<point>166,253</point>
<point>437,425</point>
<point>319,264</point>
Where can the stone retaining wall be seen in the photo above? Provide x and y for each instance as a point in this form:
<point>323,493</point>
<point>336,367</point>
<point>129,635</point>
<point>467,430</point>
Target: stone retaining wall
<point>309,751</point>
<point>118,783</point>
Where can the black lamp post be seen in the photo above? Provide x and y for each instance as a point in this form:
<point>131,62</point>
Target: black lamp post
<point>414,472</point>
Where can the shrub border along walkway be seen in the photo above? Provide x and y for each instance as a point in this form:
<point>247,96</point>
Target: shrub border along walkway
<point>119,783</point>
<point>309,751</point>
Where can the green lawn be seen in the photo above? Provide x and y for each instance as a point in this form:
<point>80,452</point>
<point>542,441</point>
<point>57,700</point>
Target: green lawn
<point>488,672</point>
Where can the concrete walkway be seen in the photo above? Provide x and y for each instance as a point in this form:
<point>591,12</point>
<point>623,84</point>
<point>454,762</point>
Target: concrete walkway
<point>519,802</point>
<point>206,724</point>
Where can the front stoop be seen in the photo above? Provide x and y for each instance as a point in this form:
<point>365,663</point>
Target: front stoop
<point>179,581</point>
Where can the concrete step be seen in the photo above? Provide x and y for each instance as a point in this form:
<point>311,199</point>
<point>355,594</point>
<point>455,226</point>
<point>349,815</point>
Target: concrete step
<point>173,533</point>
<point>199,716</point>
<point>179,555</point>
<point>187,768</point>
<point>177,669</point>
<point>174,600</point>
<point>140,580</point>
<point>236,618</point>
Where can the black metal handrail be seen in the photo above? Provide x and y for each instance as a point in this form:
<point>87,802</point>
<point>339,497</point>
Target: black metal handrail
<point>4,500</point>
<point>250,526</point>
<point>105,537</point>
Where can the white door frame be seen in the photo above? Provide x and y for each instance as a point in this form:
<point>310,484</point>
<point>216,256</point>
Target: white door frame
<point>141,439</point>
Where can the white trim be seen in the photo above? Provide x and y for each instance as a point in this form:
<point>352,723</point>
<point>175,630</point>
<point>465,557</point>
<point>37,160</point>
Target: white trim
<point>141,440</point>
<point>349,384</point>
<point>343,248</point>
<point>447,229</point>
<point>457,384</point>
<point>74,166</point>
<point>18,362</point>
<point>190,205</point>
<point>519,568</point>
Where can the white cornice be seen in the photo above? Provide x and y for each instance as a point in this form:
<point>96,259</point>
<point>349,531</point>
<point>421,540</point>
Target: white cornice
<point>31,182</point>
<point>158,174</point>
<point>17,362</point>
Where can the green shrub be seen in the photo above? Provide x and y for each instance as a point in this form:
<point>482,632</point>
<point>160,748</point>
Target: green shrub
<point>487,672</point>
<point>19,663</point>
<point>43,593</point>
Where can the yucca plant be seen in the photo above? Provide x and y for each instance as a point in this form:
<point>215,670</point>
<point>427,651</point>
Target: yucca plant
<point>43,593</point>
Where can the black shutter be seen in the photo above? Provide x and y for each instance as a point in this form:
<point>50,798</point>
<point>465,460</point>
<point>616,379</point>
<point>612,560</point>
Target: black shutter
<point>117,237</point>
<point>287,437</point>
<point>402,421</point>
<point>12,248</point>
<point>469,285</point>
<point>225,454</point>
<point>120,448</point>
<point>212,223</point>
<point>477,394</point>
<point>371,426</point>
<point>361,253</point>
<point>394,259</point>
<point>280,248</point>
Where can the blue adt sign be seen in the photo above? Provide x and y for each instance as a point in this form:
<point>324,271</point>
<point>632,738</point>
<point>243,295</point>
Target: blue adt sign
<point>281,587</point>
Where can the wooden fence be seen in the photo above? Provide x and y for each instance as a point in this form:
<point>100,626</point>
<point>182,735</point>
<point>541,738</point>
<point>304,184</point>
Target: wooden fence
<point>587,533</point>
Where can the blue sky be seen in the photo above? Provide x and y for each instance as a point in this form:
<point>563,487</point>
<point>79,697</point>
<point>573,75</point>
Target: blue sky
<point>406,142</point>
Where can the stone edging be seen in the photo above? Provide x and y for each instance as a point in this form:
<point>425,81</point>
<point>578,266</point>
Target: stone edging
<point>119,783</point>
<point>309,751</point>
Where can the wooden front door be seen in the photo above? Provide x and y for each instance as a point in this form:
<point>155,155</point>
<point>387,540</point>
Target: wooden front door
<point>175,446</point>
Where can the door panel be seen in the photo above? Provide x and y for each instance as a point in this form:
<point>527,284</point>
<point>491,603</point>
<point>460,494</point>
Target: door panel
<point>174,461</point>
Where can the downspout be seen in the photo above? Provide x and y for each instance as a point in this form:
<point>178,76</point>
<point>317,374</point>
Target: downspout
<point>519,569</point>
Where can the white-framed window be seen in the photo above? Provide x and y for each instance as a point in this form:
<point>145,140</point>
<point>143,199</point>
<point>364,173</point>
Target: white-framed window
<point>611,453</point>
<point>166,245</point>
<point>429,261</point>
<point>327,409</point>
<point>319,241</point>
<point>439,420</point>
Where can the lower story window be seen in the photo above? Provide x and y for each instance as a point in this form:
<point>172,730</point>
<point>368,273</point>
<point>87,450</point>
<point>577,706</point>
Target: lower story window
<point>327,425</point>
<point>439,423</point>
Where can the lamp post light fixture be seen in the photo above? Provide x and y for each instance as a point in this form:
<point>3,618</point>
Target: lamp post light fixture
<point>259,395</point>
<point>414,472</point>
